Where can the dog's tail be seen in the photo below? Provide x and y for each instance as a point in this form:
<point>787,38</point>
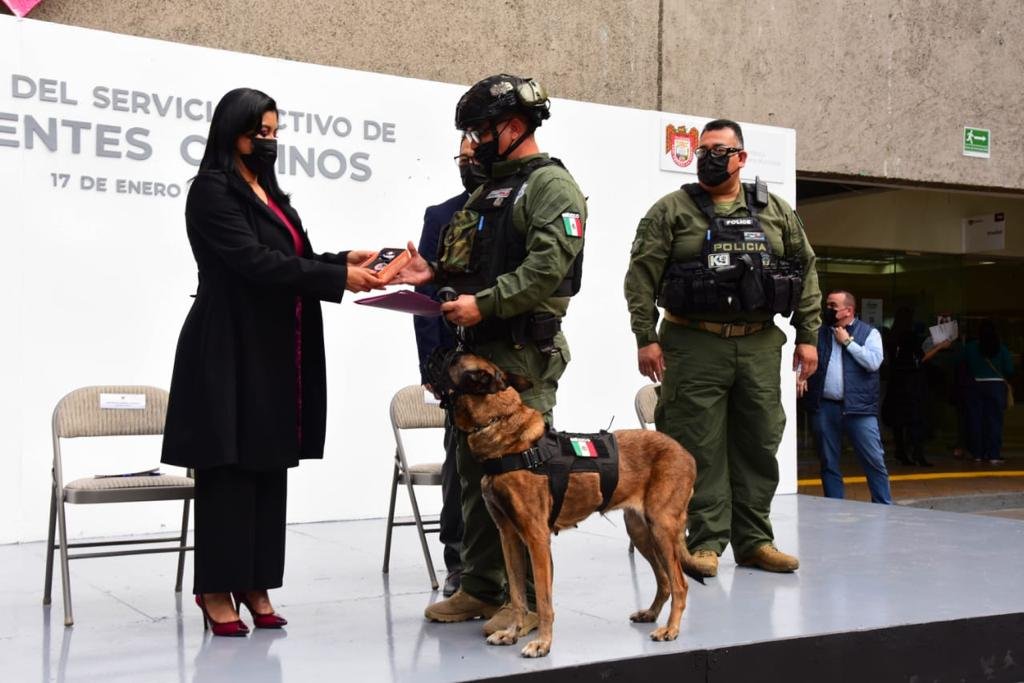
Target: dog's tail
<point>684,555</point>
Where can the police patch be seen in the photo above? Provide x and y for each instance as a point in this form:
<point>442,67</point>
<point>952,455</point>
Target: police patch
<point>499,195</point>
<point>718,260</point>
<point>519,195</point>
<point>758,236</point>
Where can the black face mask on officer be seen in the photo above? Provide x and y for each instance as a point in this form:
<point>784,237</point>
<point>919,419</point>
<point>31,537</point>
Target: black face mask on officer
<point>828,317</point>
<point>486,153</point>
<point>713,171</point>
<point>473,176</point>
<point>263,156</point>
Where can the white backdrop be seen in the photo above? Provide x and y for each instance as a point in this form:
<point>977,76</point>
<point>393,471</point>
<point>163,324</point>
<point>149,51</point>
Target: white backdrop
<point>95,284</point>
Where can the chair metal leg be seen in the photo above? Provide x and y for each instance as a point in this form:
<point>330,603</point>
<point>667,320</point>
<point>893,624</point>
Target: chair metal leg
<point>184,539</point>
<point>423,534</point>
<point>391,520</point>
<point>48,581</point>
<point>65,576</point>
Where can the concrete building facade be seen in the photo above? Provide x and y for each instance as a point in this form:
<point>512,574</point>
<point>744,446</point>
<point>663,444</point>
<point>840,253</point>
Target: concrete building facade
<point>878,90</point>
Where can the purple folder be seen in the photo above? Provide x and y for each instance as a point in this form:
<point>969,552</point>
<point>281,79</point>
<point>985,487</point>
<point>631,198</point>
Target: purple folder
<point>405,300</point>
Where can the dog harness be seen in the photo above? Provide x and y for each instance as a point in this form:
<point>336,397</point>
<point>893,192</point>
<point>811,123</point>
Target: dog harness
<point>560,454</point>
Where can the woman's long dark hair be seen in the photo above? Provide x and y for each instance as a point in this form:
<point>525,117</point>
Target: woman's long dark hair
<point>988,338</point>
<point>239,112</point>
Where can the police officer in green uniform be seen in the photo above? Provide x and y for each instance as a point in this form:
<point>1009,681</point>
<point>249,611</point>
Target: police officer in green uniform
<point>514,255</point>
<point>723,258</point>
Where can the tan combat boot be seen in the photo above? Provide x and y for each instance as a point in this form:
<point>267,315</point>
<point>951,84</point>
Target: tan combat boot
<point>703,562</point>
<point>770,559</point>
<point>460,607</point>
<point>502,620</point>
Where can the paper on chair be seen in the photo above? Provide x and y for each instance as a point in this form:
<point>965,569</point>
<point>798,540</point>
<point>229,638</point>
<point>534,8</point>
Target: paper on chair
<point>406,301</point>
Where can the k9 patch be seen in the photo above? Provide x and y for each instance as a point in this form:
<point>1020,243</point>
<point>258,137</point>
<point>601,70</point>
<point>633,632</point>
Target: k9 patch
<point>718,260</point>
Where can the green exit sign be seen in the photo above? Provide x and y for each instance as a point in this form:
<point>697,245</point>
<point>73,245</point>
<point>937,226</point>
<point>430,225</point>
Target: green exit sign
<point>977,142</point>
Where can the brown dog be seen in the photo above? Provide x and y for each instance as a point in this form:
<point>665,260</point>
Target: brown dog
<point>654,486</point>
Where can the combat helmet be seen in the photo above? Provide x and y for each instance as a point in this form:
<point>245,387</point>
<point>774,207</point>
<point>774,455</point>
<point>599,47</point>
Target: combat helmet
<point>501,95</point>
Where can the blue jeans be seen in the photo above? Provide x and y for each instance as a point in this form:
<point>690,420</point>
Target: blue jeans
<point>829,425</point>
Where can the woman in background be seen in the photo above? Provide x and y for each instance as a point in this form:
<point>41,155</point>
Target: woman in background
<point>989,366</point>
<point>248,393</point>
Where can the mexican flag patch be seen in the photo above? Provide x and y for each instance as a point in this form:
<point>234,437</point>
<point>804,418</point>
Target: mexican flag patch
<point>583,448</point>
<point>573,224</point>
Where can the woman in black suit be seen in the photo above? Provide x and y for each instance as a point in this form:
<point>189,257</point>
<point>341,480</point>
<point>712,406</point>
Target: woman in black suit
<point>248,394</point>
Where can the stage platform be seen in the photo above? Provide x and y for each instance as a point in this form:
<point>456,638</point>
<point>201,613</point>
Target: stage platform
<point>883,594</point>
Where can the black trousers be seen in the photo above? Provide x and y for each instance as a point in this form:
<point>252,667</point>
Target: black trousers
<point>239,530</point>
<point>451,502</point>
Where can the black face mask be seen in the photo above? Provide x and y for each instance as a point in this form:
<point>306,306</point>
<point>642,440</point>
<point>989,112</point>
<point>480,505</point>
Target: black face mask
<point>486,153</point>
<point>473,176</point>
<point>828,317</point>
<point>713,171</point>
<point>263,156</point>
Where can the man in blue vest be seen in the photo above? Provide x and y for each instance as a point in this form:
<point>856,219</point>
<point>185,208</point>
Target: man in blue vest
<point>843,395</point>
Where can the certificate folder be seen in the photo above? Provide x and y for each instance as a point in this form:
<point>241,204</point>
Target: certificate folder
<point>405,300</point>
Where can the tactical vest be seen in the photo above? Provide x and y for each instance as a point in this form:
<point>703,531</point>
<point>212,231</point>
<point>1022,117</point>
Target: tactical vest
<point>481,241</point>
<point>737,270</point>
<point>558,455</point>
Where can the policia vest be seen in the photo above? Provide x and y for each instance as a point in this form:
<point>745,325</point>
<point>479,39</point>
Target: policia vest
<point>560,454</point>
<point>481,243</point>
<point>737,271</point>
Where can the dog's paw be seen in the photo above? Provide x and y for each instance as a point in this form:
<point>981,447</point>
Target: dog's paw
<point>507,636</point>
<point>537,648</point>
<point>644,616</point>
<point>664,633</point>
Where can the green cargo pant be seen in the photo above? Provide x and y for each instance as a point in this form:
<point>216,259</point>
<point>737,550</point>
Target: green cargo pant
<point>483,563</point>
<point>721,400</point>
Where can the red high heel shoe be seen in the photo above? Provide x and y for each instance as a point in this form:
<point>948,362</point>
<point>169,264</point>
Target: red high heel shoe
<point>272,620</point>
<point>232,629</point>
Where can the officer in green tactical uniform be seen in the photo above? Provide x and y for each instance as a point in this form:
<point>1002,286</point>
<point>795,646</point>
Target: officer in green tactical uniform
<point>514,255</point>
<point>723,258</point>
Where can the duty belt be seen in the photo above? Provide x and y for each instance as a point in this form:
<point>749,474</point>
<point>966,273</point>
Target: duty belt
<point>724,330</point>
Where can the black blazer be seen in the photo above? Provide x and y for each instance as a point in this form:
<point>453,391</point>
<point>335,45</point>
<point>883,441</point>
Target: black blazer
<point>432,333</point>
<point>233,391</point>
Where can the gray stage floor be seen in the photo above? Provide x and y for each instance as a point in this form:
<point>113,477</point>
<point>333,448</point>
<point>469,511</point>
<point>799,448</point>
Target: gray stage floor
<point>863,567</point>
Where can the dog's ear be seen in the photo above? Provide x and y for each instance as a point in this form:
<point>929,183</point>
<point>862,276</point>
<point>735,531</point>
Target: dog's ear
<point>518,382</point>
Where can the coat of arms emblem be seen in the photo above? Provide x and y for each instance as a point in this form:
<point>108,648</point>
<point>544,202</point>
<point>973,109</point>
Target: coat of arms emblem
<point>680,144</point>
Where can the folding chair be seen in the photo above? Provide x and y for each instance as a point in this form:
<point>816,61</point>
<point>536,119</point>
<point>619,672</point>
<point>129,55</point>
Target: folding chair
<point>409,410</point>
<point>645,402</point>
<point>110,411</point>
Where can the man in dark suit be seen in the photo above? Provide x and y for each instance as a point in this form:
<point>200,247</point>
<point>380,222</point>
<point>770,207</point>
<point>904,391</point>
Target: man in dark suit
<point>432,333</point>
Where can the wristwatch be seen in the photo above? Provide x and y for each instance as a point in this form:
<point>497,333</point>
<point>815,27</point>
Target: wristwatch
<point>847,342</point>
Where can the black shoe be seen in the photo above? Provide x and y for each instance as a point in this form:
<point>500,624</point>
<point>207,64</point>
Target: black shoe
<point>919,460</point>
<point>903,459</point>
<point>452,582</point>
